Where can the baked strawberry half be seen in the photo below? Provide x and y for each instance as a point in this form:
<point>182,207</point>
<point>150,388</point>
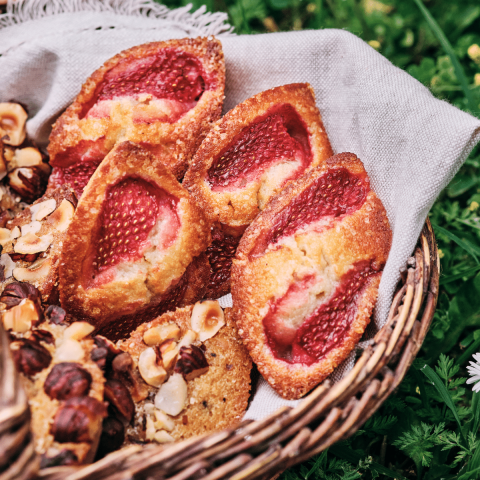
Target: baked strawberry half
<point>250,156</point>
<point>128,249</point>
<point>161,95</point>
<point>306,274</point>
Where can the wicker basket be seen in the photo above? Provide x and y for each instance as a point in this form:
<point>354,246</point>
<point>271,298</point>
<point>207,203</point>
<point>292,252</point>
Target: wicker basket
<point>255,449</point>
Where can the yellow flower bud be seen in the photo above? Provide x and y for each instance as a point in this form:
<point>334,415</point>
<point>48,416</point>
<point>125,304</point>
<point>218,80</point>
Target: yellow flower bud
<point>474,53</point>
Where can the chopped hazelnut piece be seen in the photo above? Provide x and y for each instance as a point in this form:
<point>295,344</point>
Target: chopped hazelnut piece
<point>42,209</point>
<point>69,351</point>
<point>156,335</point>
<point>25,157</point>
<point>78,330</point>
<point>207,319</point>
<point>187,339</point>
<point>163,437</point>
<point>21,317</point>
<point>172,395</point>
<point>60,219</point>
<point>163,421</point>
<point>30,243</point>
<point>150,371</point>
<point>36,272</point>
<point>12,123</point>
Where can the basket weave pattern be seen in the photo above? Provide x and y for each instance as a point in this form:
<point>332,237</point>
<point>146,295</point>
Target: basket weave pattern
<point>255,449</point>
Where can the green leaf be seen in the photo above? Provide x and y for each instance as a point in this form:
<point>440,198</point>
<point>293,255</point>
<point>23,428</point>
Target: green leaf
<point>469,352</point>
<point>466,273</point>
<point>472,104</point>
<point>353,457</point>
<point>471,249</point>
<point>443,392</point>
<point>461,184</point>
<point>423,72</point>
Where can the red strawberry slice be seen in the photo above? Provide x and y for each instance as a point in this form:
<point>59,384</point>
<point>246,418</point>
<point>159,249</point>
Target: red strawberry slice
<point>278,136</point>
<point>333,195</point>
<point>77,164</point>
<point>171,75</point>
<point>130,211</point>
<point>326,327</point>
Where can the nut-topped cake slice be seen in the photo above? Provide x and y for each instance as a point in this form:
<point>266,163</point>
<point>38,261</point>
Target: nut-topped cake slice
<point>65,387</point>
<point>197,372</point>
<point>32,242</point>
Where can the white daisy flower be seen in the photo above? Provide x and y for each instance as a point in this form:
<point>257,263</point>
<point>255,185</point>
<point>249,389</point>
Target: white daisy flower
<point>474,371</point>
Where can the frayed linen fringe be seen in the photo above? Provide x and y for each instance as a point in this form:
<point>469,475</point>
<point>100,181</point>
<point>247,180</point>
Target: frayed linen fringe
<point>20,11</point>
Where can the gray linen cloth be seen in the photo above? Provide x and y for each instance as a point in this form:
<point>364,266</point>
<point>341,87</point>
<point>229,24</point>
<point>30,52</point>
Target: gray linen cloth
<point>411,143</point>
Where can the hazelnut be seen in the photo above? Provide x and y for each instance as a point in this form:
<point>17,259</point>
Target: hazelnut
<point>8,265</point>
<point>30,243</point>
<point>120,400</point>
<point>122,369</point>
<point>60,219</point>
<point>29,182</point>
<point>172,395</point>
<point>55,314</point>
<point>150,371</point>
<point>29,356</point>
<point>21,317</point>
<point>5,236</point>
<point>78,330</point>
<point>163,421</point>
<point>78,420</point>
<point>69,351</point>
<point>207,319</point>
<point>157,335</point>
<point>187,339</point>
<point>40,335</point>
<point>36,272</point>
<point>13,118</point>
<point>105,352</point>
<point>40,210</point>
<point>163,437</point>
<point>66,380</point>
<point>150,429</point>
<point>169,352</point>
<point>25,157</point>
<point>192,363</point>
<point>32,227</point>
<point>15,292</point>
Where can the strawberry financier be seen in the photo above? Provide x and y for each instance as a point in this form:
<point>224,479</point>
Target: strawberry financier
<point>247,158</point>
<point>131,247</point>
<point>161,95</point>
<point>306,274</point>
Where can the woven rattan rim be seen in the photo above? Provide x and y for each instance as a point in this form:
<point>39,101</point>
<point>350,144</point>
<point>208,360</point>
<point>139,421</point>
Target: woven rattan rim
<point>255,449</point>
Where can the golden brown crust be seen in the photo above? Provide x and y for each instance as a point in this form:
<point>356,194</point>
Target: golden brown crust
<point>180,138</point>
<point>217,399</point>
<point>240,206</point>
<point>101,304</point>
<point>260,277</point>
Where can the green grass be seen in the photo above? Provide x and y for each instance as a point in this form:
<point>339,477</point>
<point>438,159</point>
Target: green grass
<point>437,42</point>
